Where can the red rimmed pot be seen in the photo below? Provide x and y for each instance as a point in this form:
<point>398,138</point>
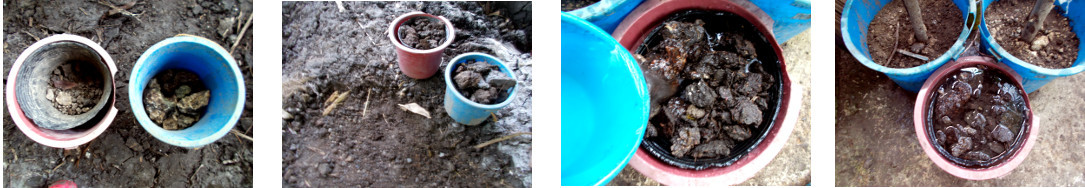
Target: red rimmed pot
<point>24,91</point>
<point>633,31</point>
<point>922,106</point>
<point>419,63</point>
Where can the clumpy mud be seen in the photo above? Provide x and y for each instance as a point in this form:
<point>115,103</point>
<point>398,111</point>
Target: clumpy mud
<point>422,33</point>
<point>125,155</point>
<point>570,5</point>
<point>944,23</point>
<point>1055,47</point>
<point>977,117</point>
<point>712,96</point>
<point>367,140</point>
<point>482,82</point>
<point>75,87</point>
<point>175,99</point>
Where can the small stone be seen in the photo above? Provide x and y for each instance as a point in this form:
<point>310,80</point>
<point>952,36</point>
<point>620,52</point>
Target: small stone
<point>1002,134</point>
<point>694,112</point>
<point>963,145</point>
<point>325,168</point>
<point>287,115</point>
<point>975,119</point>
<point>192,103</point>
<point>500,80</point>
<point>467,79</point>
<point>1039,43</point>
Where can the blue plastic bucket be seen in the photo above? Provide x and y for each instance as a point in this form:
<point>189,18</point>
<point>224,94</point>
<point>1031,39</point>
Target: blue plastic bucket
<point>606,14</point>
<point>215,67</point>
<point>463,110</point>
<point>853,26</point>
<point>604,104</point>
<point>1035,76</point>
<point>789,17</point>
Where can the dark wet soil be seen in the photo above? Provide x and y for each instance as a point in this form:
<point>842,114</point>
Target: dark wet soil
<point>75,87</point>
<point>1055,47</point>
<point>710,91</point>
<point>367,140</point>
<point>422,33</point>
<point>976,117</point>
<point>176,99</point>
<point>944,23</point>
<point>570,5</point>
<point>125,155</point>
<point>482,82</point>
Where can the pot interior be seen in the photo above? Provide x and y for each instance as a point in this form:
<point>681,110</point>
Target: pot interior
<point>34,82</point>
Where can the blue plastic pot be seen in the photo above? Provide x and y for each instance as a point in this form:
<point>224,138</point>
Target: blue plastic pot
<point>463,110</point>
<point>1035,76</point>
<point>604,104</point>
<point>854,23</point>
<point>215,67</point>
<point>606,14</point>
<point>790,17</point>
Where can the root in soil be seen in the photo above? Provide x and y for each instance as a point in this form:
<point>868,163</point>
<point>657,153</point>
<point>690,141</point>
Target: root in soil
<point>977,126</point>
<point>75,87</point>
<point>891,30</point>
<point>1055,47</point>
<point>422,33</point>
<point>176,99</point>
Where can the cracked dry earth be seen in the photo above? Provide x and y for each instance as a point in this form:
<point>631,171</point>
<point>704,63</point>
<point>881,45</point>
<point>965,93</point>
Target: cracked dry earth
<point>366,140</point>
<point>125,155</point>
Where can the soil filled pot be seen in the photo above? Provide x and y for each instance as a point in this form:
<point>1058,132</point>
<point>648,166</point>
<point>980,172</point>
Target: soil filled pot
<point>982,133</point>
<point>57,110</point>
<point>856,19</point>
<point>654,157</point>
<point>605,14</point>
<point>604,104</point>
<point>217,70</point>
<point>466,111</point>
<point>1035,76</point>
<point>419,63</point>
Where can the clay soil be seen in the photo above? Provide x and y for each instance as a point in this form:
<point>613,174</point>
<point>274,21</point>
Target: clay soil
<point>1007,20</point>
<point>944,25</point>
<point>422,33</point>
<point>175,99</point>
<point>570,5</point>
<point>74,87</point>
<point>976,117</point>
<point>125,155</point>
<point>366,140</point>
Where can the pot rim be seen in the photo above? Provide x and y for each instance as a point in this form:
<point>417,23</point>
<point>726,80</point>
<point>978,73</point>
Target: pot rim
<point>45,136</point>
<point>450,32</point>
<point>504,68</point>
<point>1003,168</point>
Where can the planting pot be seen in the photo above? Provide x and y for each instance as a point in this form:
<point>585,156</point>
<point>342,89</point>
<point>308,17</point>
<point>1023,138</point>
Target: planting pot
<point>635,29</point>
<point>463,110</point>
<point>604,104</point>
<point>1035,76</point>
<point>606,14</point>
<point>855,20</point>
<point>28,81</point>
<point>922,106</point>
<point>216,69</point>
<point>419,63</point>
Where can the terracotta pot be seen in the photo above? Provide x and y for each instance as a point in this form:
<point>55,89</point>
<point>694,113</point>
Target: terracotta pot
<point>416,63</point>
<point>632,32</point>
<point>920,116</point>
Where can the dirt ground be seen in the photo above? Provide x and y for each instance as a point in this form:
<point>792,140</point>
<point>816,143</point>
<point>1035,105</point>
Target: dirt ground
<point>876,143</point>
<point>367,140</point>
<point>126,155</point>
<point>792,165</point>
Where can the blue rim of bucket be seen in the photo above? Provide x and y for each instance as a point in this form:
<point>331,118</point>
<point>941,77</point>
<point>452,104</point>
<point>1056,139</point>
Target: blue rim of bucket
<point>493,60</point>
<point>1002,55</point>
<point>577,179</point>
<point>174,137</point>
<point>952,53</point>
<point>609,13</point>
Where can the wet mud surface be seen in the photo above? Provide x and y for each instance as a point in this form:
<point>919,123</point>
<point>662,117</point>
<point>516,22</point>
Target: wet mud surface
<point>422,33</point>
<point>710,92</point>
<point>876,142</point>
<point>125,155</point>
<point>976,115</point>
<point>366,139</point>
<point>1055,47</point>
<point>175,99</point>
<point>891,30</point>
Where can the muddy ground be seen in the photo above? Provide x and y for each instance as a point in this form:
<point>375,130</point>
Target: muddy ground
<point>792,165</point>
<point>876,142</point>
<point>367,140</point>
<point>126,155</point>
